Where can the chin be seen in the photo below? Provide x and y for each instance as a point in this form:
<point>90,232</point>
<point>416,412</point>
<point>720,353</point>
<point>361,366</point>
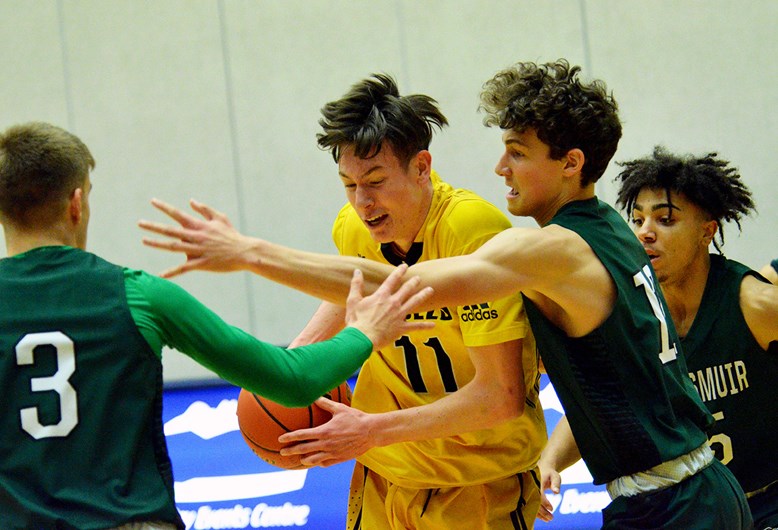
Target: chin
<point>514,209</point>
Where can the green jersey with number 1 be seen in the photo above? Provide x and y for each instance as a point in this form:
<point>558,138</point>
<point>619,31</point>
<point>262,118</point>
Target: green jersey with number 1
<point>624,386</point>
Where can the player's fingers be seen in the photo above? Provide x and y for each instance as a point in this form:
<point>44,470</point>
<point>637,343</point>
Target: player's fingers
<point>207,212</point>
<point>556,482</point>
<point>189,265</point>
<point>417,298</point>
<point>165,229</point>
<point>317,459</point>
<point>544,515</point>
<point>355,290</point>
<point>173,245</point>
<point>328,404</point>
<point>301,435</point>
<point>545,504</point>
<point>327,461</point>
<point>394,281</point>
<point>176,214</point>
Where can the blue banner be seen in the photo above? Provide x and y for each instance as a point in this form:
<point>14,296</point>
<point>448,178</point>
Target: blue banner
<point>221,484</point>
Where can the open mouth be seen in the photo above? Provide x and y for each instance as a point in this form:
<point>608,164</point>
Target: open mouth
<point>375,221</point>
<point>513,193</point>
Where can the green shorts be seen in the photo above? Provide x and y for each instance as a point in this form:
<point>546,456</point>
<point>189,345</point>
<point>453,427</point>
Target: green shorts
<point>764,508</point>
<point>710,499</point>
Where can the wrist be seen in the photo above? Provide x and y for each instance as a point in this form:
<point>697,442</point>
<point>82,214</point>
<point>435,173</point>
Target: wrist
<point>253,257</point>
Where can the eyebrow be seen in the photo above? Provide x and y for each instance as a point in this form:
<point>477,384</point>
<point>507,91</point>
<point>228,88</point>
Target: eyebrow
<point>515,141</point>
<point>363,175</point>
<point>660,206</point>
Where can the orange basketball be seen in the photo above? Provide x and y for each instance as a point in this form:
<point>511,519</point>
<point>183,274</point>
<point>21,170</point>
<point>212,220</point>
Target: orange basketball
<point>262,421</point>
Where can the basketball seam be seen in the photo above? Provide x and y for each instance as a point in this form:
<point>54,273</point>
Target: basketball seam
<point>272,416</point>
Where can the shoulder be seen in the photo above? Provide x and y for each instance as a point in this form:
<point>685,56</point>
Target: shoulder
<point>467,215</point>
<point>770,272</point>
<point>156,291</point>
<point>759,303</point>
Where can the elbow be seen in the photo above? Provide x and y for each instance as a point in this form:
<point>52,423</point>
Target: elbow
<point>508,407</point>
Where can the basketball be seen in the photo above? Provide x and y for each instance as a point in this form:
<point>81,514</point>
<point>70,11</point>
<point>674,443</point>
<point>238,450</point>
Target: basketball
<point>262,421</point>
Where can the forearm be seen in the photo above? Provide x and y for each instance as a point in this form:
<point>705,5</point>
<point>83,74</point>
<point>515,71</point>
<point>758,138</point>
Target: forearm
<point>301,374</point>
<point>561,451</point>
<point>324,276</point>
<point>328,320</point>
<point>474,407</point>
<point>292,377</point>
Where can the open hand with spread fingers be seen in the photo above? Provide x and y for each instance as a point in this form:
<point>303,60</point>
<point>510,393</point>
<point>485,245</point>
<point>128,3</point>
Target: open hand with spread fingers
<point>210,242</point>
<point>381,316</point>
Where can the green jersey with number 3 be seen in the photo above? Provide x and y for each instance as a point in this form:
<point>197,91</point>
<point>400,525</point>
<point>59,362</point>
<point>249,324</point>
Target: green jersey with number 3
<point>82,442</point>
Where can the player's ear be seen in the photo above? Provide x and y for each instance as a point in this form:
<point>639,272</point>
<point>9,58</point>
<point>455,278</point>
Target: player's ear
<point>709,229</point>
<point>422,163</point>
<point>574,160</point>
<point>76,206</point>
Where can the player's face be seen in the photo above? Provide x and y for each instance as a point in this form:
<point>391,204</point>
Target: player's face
<point>392,199</point>
<point>674,231</point>
<point>534,178</point>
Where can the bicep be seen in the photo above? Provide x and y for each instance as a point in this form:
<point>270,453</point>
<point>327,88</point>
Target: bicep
<point>759,303</point>
<point>486,274</point>
<point>500,365</point>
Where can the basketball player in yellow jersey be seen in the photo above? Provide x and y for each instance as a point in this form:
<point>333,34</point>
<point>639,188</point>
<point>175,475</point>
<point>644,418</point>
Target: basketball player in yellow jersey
<point>446,425</point>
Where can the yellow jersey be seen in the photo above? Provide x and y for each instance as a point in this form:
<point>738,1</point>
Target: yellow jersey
<point>426,365</point>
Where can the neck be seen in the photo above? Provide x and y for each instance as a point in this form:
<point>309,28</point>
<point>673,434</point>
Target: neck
<point>684,294</point>
<point>579,194</point>
<point>18,241</point>
<point>403,246</point>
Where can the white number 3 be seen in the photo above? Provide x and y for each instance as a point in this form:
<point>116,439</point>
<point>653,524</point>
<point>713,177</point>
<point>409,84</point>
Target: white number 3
<point>58,382</point>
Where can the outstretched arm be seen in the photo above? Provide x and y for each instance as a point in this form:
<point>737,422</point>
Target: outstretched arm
<point>552,261</point>
<point>211,243</point>
<point>167,315</point>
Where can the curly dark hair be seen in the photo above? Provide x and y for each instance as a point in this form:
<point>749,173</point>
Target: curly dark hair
<point>40,164</point>
<point>708,182</point>
<point>564,112</point>
<point>374,112</point>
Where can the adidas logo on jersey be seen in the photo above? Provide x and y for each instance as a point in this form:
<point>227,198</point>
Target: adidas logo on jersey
<point>472,313</point>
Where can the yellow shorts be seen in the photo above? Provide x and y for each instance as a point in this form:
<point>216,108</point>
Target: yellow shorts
<point>377,504</point>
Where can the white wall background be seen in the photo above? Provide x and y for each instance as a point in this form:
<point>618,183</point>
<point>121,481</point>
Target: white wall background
<point>219,100</point>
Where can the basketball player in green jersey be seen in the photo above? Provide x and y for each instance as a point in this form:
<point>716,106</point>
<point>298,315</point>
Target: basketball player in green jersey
<point>593,301</point>
<point>726,315</point>
<point>82,443</point>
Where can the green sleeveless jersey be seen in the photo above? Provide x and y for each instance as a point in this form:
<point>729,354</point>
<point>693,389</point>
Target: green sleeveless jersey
<point>734,377</point>
<point>624,386</point>
<point>100,439</point>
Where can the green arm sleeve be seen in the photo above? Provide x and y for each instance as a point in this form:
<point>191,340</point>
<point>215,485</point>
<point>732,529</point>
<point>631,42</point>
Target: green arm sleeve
<point>167,315</point>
